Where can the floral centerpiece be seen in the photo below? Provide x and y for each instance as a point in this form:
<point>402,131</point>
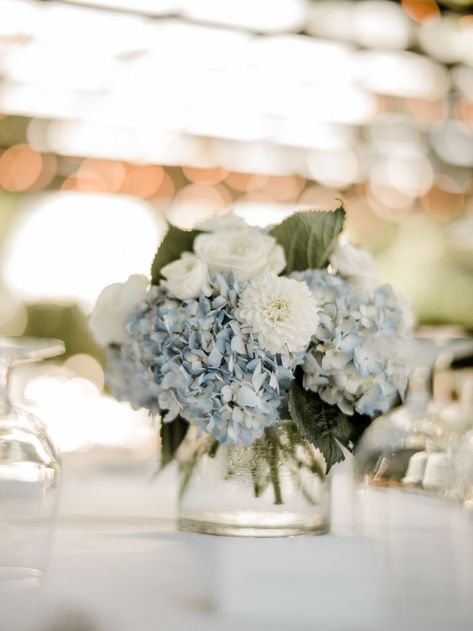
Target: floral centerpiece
<point>268,351</point>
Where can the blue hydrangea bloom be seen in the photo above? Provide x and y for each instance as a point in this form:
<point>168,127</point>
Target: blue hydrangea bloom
<point>192,359</point>
<point>355,361</point>
<point>128,382</point>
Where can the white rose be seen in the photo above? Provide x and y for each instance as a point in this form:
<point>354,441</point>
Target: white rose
<point>185,278</point>
<point>114,305</point>
<point>247,253</point>
<point>357,265</point>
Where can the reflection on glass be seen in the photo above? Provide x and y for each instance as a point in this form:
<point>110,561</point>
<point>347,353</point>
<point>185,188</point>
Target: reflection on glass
<point>29,474</point>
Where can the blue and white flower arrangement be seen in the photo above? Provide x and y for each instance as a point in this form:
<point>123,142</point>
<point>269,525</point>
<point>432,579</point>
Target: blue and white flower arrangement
<point>240,329</point>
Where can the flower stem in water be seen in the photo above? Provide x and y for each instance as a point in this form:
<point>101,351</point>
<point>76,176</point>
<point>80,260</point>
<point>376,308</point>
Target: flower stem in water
<point>273,467</point>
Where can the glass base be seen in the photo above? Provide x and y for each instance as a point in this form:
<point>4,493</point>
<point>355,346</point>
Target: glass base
<point>12,577</point>
<point>252,524</point>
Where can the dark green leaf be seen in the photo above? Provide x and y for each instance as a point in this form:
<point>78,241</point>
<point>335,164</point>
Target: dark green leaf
<point>325,426</point>
<point>309,237</point>
<point>172,435</point>
<point>171,247</point>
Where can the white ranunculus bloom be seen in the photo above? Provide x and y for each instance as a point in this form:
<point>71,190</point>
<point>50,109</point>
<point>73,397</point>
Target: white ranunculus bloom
<point>185,278</point>
<point>247,253</point>
<point>355,264</point>
<point>281,311</point>
<point>114,305</point>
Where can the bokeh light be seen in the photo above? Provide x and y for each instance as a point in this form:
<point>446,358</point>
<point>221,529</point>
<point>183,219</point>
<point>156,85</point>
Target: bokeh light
<point>421,11</point>
<point>142,180</point>
<point>245,182</point>
<point>13,316</point>
<point>464,111</point>
<point>79,417</point>
<point>334,167</point>
<point>380,24</point>
<point>20,167</point>
<point>196,203</point>
<point>87,367</point>
<point>263,16</point>
<point>262,213</point>
<point>109,175</point>
<point>62,249</point>
<point>428,112</point>
<point>283,188</point>
<point>165,194</point>
<point>443,204</point>
<point>204,176</point>
<point>320,198</point>
<point>48,172</point>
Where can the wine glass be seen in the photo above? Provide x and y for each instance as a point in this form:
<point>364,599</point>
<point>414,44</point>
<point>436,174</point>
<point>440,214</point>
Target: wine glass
<point>408,450</point>
<point>406,500</point>
<point>29,473</point>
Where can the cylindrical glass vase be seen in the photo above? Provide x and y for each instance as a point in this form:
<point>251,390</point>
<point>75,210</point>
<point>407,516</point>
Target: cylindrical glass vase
<point>276,487</point>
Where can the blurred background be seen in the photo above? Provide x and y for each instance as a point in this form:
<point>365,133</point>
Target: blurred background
<point>117,116</point>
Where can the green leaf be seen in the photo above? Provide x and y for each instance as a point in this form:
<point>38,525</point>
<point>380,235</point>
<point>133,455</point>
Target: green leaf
<point>172,435</point>
<point>175,242</point>
<point>309,238</point>
<point>325,426</point>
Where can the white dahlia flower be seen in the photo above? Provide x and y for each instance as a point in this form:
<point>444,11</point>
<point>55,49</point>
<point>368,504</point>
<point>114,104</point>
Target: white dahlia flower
<point>281,311</point>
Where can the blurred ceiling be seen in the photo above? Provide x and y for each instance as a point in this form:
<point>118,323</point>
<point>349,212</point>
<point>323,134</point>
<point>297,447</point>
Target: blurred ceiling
<point>262,105</point>
<point>334,91</point>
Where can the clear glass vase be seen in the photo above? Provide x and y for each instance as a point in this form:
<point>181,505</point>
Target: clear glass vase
<point>276,487</point>
<point>29,474</point>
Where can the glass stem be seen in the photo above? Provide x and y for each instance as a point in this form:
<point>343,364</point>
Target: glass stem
<point>5,403</point>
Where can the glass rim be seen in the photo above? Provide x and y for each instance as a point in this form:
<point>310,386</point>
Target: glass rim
<point>20,349</point>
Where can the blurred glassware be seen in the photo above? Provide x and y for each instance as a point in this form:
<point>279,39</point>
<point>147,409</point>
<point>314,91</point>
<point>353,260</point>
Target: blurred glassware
<point>29,473</point>
<point>407,448</point>
<point>407,496</point>
<point>406,458</point>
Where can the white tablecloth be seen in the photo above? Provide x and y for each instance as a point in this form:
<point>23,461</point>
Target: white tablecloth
<point>137,573</point>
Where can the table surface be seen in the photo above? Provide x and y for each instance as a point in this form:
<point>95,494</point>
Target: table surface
<point>130,573</point>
